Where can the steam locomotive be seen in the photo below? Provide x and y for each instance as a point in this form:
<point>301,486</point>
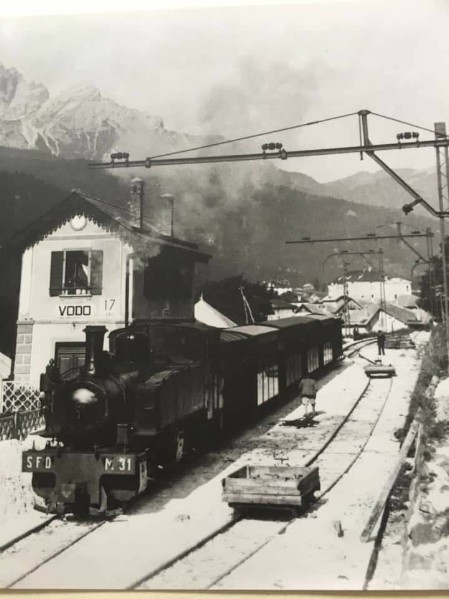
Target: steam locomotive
<point>161,387</point>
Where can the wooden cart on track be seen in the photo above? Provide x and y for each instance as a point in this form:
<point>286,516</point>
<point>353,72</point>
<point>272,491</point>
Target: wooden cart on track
<point>281,488</point>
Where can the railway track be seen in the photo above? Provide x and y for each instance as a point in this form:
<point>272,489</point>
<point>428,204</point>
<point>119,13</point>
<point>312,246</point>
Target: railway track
<point>28,552</point>
<point>246,537</point>
<point>204,566</point>
<point>354,347</point>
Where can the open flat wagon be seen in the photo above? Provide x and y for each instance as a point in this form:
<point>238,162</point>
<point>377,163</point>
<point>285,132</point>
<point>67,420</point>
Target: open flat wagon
<point>271,487</point>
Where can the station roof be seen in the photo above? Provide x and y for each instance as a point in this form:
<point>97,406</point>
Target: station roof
<point>252,329</point>
<point>360,276</point>
<point>299,320</point>
<point>111,217</point>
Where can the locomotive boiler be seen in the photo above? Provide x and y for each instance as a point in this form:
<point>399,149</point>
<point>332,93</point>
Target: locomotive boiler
<point>161,387</point>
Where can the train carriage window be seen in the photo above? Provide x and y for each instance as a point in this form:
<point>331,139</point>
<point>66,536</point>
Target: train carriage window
<point>328,353</point>
<point>313,360</point>
<point>293,368</point>
<point>267,382</point>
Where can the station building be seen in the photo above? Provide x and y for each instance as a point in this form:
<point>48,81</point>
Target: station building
<point>87,262</point>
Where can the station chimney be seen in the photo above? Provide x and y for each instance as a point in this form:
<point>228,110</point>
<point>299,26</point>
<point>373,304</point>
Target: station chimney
<point>136,202</point>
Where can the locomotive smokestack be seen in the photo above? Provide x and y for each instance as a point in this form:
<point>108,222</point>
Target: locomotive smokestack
<point>136,202</point>
<point>94,346</point>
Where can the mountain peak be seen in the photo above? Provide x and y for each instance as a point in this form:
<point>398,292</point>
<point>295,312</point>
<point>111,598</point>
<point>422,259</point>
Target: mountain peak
<point>81,92</point>
<point>79,122</point>
<point>19,98</point>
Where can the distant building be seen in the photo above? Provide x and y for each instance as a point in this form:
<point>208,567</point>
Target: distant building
<point>338,305</point>
<point>366,285</point>
<point>393,318</point>
<point>372,318</point>
<point>290,296</point>
<point>278,287</point>
<point>311,308</point>
<point>281,309</point>
<point>86,262</point>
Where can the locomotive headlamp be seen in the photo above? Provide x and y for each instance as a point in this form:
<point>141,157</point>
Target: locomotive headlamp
<point>84,396</point>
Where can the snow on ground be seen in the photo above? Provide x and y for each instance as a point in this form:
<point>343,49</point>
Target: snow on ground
<point>123,551</point>
<point>311,555</point>
<point>17,499</point>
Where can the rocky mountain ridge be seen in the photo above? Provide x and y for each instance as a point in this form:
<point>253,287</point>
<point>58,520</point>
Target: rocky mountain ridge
<point>82,123</point>
<point>78,123</point>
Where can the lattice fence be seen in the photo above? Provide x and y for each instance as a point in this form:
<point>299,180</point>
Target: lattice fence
<point>7,427</point>
<point>18,397</point>
<point>20,424</point>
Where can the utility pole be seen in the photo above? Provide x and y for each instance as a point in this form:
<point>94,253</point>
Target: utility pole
<point>346,297</point>
<point>383,302</point>
<point>442,180</point>
<point>432,279</point>
<point>171,200</point>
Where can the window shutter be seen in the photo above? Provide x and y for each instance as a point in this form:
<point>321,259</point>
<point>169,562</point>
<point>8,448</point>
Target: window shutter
<point>96,272</point>
<point>57,260</point>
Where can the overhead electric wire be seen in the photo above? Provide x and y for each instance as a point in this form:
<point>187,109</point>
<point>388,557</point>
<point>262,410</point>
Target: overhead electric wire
<point>127,210</point>
<point>390,118</point>
<point>237,139</point>
<point>298,126</point>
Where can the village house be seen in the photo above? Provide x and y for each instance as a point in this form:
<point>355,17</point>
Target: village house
<point>88,262</point>
<point>366,285</point>
<point>281,309</point>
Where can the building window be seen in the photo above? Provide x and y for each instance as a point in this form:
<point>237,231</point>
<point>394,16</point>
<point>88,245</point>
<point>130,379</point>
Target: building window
<point>76,272</point>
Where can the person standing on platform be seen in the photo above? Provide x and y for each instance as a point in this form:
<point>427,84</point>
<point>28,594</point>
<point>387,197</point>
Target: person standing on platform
<point>381,343</point>
<point>307,392</point>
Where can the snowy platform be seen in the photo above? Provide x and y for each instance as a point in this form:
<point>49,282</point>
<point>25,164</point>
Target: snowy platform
<point>121,553</point>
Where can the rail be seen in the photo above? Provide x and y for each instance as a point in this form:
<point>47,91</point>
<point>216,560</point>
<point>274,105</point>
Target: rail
<point>224,528</point>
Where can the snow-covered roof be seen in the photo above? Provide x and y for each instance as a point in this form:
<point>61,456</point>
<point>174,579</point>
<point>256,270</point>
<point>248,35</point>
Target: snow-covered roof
<point>313,309</point>
<point>5,366</point>
<point>360,276</point>
<point>207,314</point>
<point>280,304</point>
<point>362,317</point>
<point>407,301</point>
<point>403,314</point>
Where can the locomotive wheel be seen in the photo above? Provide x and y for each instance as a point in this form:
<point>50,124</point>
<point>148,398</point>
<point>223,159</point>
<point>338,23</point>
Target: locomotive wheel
<point>152,464</point>
<point>81,507</point>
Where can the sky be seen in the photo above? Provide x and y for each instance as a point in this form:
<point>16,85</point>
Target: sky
<point>236,68</point>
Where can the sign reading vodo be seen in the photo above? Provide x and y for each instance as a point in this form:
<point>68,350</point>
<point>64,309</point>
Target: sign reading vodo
<point>75,310</point>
